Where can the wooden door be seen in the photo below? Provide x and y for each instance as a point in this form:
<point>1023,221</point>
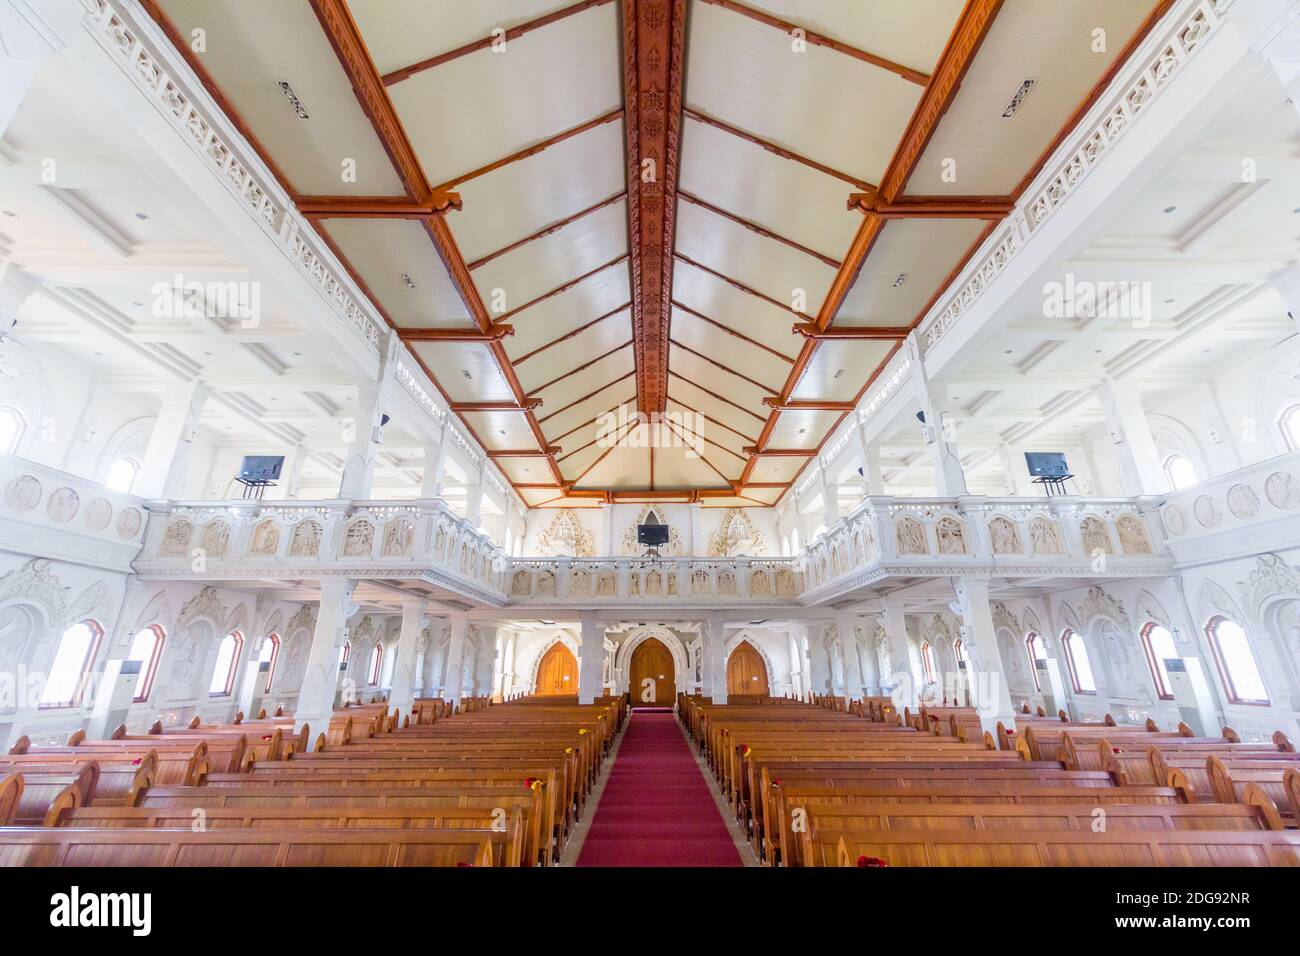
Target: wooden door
<point>651,678</point>
<point>558,672</point>
<point>746,672</point>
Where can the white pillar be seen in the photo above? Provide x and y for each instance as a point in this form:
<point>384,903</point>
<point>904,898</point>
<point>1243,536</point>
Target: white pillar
<point>452,677</point>
<point>1135,448</point>
<point>713,632</point>
<point>699,546</point>
<point>990,693</point>
<point>846,623</point>
<point>401,696</point>
<point>1287,284</point>
<point>591,661</point>
<point>435,465</point>
<point>29,32</point>
<point>15,287</point>
<point>1016,473</point>
<point>292,476</point>
<point>902,682</point>
<point>871,473</point>
<point>166,457</point>
<point>939,430</point>
<point>474,503</point>
<point>366,431</point>
<point>316,696</point>
<point>830,498</point>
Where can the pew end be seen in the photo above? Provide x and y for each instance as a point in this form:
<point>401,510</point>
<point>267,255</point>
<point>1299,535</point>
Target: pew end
<point>21,745</point>
<point>11,794</point>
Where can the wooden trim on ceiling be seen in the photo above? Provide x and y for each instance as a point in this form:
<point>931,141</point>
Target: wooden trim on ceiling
<point>588,396</point>
<point>732,332</point>
<point>807,405</point>
<point>546,231</point>
<point>816,39</point>
<point>573,334</point>
<point>507,406</point>
<point>706,120</point>
<point>506,35</point>
<point>756,228</point>
<point>722,366</point>
<point>740,286</point>
<point>581,368</point>
<point>860,332</point>
<point>533,150</point>
<point>654,54</point>
<point>712,421</point>
<point>558,290</point>
<point>497,333</point>
<point>933,207</point>
<point>376,207</point>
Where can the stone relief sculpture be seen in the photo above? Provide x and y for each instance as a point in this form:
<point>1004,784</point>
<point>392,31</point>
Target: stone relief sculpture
<point>176,538</point>
<point>700,582</point>
<point>398,537</point>
<point>565,537</point>
<point>759,585</point>
<point>580,582</point>
<point>216,537</point>
<point>359,539</point>
<point>129,522</point>
<point>97,515</point>
<point>62,505</point>
<point>1045,536</point>
<point>726,582</point>
<point>785,583</point>
<point>1133,538</point>
<point>23,493</point>
<point>736,537</point>
<point>1095,537</point>
<point>606,584</point>
<point>1282,490</point>
<point>306,540</point>
<point>266,538</point>
<point>545,585</point>
<point>1243,501</point>
<point>911,536</point>
<point>521,582</point>
<point>951,535</point>
<point>1005,536</point>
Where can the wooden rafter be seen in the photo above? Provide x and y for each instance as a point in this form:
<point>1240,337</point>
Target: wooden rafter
<point>509,406</point>
<point>757,229</point>
<point>376,207</point>
<point>532,150</point>
<point>589,395</point>
<point>807,405</point>
<point>706,120</point>
<point>495,334</point>
<point>581,368</point>
<point>572,334</point>
<point>560,289</point>
<point>722,366</point>
<point>933,207</point>
<point>732,332</point>
<point>740,286</point>
<point>345,38</point>
<point>969,32</point>
<point>654,51</point>
<point>712,421</point>
<point>860,332</point>
<point>817,39</point>
<point>512,33</point>
<point>546,230</point>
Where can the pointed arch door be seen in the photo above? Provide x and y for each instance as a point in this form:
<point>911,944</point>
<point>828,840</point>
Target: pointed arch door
<point>652,679</point>
<point>746,672</point>
<point>558,672</point>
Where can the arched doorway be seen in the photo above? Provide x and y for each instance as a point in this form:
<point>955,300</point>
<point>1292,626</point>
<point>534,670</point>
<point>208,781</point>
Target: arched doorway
<point>652,678</point>
<point>557,672</point>
<point>746,672</point>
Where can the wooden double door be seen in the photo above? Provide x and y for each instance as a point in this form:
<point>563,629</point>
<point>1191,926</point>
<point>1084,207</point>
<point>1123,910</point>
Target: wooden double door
<point>746,672</point>
<point>558,672</point>
<point>652,679</point>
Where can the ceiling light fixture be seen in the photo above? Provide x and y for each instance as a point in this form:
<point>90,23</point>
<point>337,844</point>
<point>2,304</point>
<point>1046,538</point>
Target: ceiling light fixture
<point>407,279</point>
<point>902,277</point>
<point>1018,98</point>
<point>1169,209</point>
<point>292,97</point>
<point>142,216</point>
<point>465,372</point>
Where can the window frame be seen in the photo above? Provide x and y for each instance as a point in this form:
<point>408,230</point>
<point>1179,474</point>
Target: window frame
<point>1033,639</point>
<point>376,664</point>
<point>1163,691</point>
<point>87,665</point>
<point>927,662</point>
<point>150,669</point>
<point>234,665</point>
<point>1168,466</point>
<point>1066,642</point>
<point>1211,632</point>
<point>272,639</point>
<point>135,473</point>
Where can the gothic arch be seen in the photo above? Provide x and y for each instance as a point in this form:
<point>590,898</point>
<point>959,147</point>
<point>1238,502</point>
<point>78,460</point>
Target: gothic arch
<point>623,659</point>
<point>560,637</point>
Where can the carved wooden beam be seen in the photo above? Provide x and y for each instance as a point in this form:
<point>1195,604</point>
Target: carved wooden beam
<point>545,452</point>
<point>933,207</point>
<point>811,405</point>
<point>376,207</point>
<point>506,406</point>
<point>495,334</point>
<point>654,51</point>
<point>875,332</point>
<point>816,39</point>
<point>512,33</point>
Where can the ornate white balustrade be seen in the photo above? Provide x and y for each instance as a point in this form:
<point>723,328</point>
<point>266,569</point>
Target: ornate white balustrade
<point>56,515</point>
<point>715,582</point>
<point>1017,537</point>
<point>1252,509</point>
<point>309,539</point>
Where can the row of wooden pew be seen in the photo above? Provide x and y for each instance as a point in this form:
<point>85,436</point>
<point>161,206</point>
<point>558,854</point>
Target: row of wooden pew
<point>471,785</point>
<point>855,783</point>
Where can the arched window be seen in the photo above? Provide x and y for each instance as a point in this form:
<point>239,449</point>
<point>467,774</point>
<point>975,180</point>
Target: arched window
<point>959,651</point>
<point>1159,645</point>
<point>1289,422</point>
<point>12,426</point>
<point>146,647</point>
<point>927,662</point>
<point>269,654</point>
<point>66,681</point>
<point>122,475</point>
<point>344,652</point>
<point>1076,656</point>
<point>1180,472</point>
<point>1236,661</point>
<point>223,672</point>
<point>376,662</point>
<point>1036,651</point>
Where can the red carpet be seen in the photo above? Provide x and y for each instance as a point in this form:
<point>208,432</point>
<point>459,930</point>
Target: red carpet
<point>656,809</point>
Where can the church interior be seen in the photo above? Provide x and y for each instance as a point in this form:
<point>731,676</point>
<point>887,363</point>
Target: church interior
<point>650,433</point>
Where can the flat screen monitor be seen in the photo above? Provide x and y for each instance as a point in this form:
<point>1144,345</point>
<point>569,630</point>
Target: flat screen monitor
<point>1046,464</point>
<point>652,535</point>
<point>261,467</point>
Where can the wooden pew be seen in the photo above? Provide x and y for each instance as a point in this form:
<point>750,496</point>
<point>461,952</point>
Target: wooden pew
<point>11,794</point>
<point>117,781</point>
<point>62,846</point>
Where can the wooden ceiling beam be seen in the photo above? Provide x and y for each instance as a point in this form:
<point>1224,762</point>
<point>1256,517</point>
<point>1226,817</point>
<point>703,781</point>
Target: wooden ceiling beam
<point>741,287</point>
<point>568,335</point>
<point>506,406</point>
<point>755,452</point>
<point>376,207</point>
<point>545,452</point>
<point>533,150</point>
<point>559,290</point>
<point>817,39</point>
<point>546,231</point>
<point>759,230</point>
<point>963,44</point>
<point>862,332</point>
<point>654,54</point>
<point>589,395</point>
<point>487,42</point>
<point>723,367</point>
<point>495,334</point>
<point>712,421</point>
<point>807,405</point>
<point>732,332</point>
<point>774,149</point>
<point>933,207</point>
<point>581,368</point>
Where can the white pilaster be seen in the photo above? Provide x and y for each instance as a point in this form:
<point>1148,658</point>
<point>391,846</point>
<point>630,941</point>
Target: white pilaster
<point>939,430</point>
<point>713,632</point>
<point>316,696</point>
<point>1135,448</point>
<point>989,691</point>
<point>901,682</point>
<point>846,624</point>
<point>166,457</point>
<point>367,432</point>
<point>453,671</point>
<point>591,662</point>
<point>401,696</point>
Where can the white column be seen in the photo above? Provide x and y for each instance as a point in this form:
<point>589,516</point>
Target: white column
<point>939,430</point>
<point>830,498</point>
<point>292,476</point>
<point>1135,448</point>
<point>591,662</point>
<point>1016,472</point>
<point>474,503</point>
<point>871,473</point>
<point>819,658</point>
<point>989,691</point>
<point>15,287</point>
<point>166,457</point>
<point>901,683</point>
<point>846,623</point>
<point>499,663</point>
<point>452,677</point>
<point>699,546</point>
<point>29,32</point>
<point>401,696</point>
<point>367,433</point>
<point>1287,283</point>
<point>435,465</point>
<point>713,631</point>
<point>316,696</point>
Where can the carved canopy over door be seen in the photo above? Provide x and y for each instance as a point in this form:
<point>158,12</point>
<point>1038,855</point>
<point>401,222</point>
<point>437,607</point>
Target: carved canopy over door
<point>652,679</point>
<point>746,672</point>
<point>558,672</point>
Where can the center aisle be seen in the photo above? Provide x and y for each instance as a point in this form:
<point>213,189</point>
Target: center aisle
<point>657,809</point>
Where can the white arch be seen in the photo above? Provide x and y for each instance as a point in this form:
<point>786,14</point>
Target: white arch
<point>561,637</point>
<point>683,675</point>
<point>735,641</point>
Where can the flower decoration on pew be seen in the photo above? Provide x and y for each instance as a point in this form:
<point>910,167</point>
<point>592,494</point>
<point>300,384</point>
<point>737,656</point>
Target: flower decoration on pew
<point>463,863</point>
<point>136,762</point>
<point>533,783</point>
<point>744,750</point>
<point>266,736</point>
<point>582,731</point>
<point>568,750</point>
<point>872,861</point>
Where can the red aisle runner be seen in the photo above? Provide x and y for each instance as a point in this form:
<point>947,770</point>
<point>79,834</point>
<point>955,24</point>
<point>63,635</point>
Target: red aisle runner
<point>656,809</point>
